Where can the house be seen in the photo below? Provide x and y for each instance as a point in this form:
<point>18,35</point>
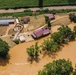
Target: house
<point>40,32</point>
<point>51,16</point>
<point>6,21</point>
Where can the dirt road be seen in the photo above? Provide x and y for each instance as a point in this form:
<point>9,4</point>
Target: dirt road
<point>34,9</point>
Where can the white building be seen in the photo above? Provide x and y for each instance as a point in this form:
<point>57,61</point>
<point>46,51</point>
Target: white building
<point>22,39</point>
<point>17,21</point>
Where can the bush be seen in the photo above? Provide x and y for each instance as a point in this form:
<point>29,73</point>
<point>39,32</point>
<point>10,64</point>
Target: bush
<point>16,41</point>
<point>74,73</point>
<point>72,17</point>
<point>47,19</point>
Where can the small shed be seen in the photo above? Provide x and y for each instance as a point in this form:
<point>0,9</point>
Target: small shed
<point>25,20</point>
<point>51,16</point>
<point>22,39</point>
<point>17,21</point>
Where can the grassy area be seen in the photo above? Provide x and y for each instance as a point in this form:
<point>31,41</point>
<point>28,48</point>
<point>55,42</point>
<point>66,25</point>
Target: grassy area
<point>31,3</point>
<point>30,13</point>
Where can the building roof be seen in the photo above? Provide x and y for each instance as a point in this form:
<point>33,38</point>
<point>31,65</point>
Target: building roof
<point>40,32</point>
<point>46,31</point>
<point>10,20</point>
<point>17,20</point>
<point>51,16</point>
<point>22,38</point>
<point>6,21</point>
<point>6,18</point>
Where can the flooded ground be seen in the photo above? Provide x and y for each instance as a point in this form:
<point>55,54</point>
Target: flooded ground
<point>18,63</point>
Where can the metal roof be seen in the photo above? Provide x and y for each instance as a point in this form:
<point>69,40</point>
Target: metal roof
<point>51,16</point>
<point>38,33</point>
<point>6,18</point>
<point>6,21</point>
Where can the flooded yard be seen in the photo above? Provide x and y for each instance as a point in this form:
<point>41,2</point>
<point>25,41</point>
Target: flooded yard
<point>18,63</point>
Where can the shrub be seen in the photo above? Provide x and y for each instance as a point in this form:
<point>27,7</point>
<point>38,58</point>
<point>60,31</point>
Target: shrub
<point>16,41</point>
<point>74,73</point>
<point>72,17</point>
<point>46,19</point>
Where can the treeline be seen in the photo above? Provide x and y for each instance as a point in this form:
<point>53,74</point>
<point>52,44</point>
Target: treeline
<point>37,12</point>
<point>7,4</point>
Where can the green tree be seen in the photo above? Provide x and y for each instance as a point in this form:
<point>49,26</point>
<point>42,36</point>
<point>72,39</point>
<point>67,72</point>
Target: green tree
<point>57,37</point>
<point>74,73</point>
<point>36,50</point>
<point>33,51</point>
<point>75,18</point>
<point>66,32</point>
<point>46,19</point>
<point>49,24</point>
<point>74,30</point>
<point>46,45</point>
<point>30,51</point>
<point>50,45</point>
<point>54,46</point>
<point>4,48</point>
<point>58,67</point>
<point>72,17</point>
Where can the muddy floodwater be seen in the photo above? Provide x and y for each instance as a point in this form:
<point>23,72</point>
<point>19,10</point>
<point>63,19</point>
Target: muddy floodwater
<point>18,63</point>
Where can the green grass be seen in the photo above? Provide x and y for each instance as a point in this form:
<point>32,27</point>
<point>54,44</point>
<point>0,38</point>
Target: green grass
<point>31,3</point>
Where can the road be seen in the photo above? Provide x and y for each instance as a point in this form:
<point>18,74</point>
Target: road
<point>34,9</point>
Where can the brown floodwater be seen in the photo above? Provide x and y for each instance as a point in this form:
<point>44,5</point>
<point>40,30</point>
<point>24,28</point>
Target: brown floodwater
<point>18,63</point>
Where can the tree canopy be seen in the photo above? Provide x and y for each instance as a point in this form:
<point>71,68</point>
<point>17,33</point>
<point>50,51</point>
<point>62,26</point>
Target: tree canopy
<point>50,45</point>
<point>74,73</point>
<point>4,48</point>
<point>72,17</point>
<point>58,67</point>
<point>57,37</point>
<point>33,51</point>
